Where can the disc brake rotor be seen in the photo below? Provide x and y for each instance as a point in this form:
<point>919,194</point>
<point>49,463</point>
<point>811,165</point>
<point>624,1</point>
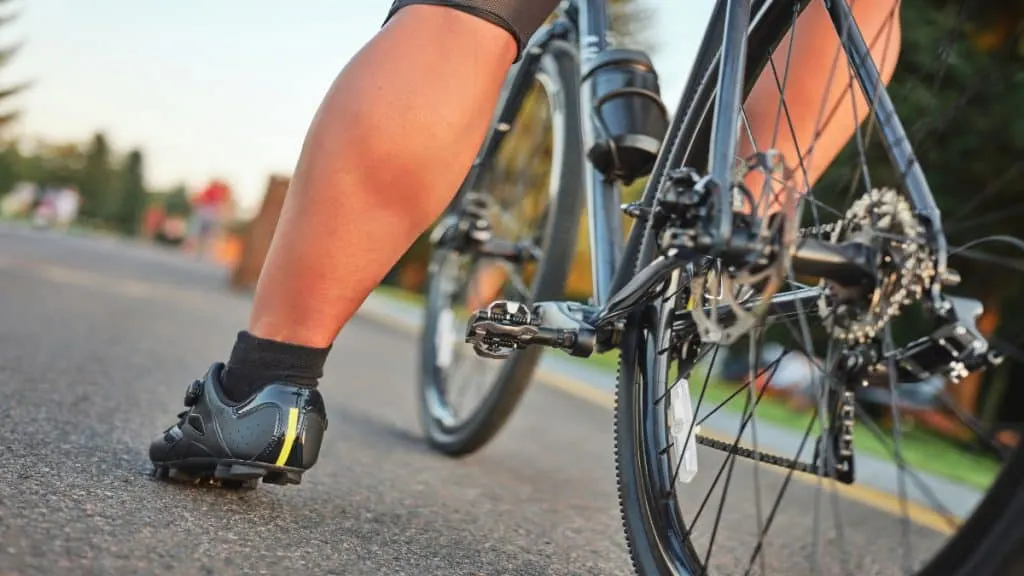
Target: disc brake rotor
<point>725,290</point>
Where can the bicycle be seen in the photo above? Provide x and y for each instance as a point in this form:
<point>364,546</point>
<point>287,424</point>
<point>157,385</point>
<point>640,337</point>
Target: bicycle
<point>695,275</point>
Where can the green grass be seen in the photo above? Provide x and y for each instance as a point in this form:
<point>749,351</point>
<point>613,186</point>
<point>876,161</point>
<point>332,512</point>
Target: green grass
<point>400,294</point>
<point>922,450</point>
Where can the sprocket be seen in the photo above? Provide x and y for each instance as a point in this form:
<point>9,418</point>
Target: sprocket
<point>904,268</point>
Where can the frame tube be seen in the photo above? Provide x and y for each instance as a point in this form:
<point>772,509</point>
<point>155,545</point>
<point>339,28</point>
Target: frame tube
<point>725,125</point>
<point>603,216</point>
<point>894,137</point>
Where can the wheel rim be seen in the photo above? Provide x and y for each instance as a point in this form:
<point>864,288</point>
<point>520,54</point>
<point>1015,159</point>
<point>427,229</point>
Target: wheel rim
<point>668,520</point>
<point>531,195</point>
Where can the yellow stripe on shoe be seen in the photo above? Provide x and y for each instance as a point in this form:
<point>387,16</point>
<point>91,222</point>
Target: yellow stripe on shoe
<point>289,436</point>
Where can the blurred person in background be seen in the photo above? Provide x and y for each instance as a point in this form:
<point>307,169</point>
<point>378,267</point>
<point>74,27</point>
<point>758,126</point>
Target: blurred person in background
<point>20,200</point>
<point>208,211</point>
<point>172,230</point>
<point>66,202</point>
<point>388,148</point>
<point>44,214</point>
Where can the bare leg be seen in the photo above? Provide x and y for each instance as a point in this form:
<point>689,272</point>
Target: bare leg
<point>486,285</point>
<point>811,80</point>
<point>385,154</point>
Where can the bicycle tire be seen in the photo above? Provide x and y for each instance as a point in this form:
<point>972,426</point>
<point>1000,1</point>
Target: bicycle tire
<point>991,541</point>
<point>558,69</point>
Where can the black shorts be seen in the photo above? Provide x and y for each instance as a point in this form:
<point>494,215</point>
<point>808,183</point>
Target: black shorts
<point>520,18</point>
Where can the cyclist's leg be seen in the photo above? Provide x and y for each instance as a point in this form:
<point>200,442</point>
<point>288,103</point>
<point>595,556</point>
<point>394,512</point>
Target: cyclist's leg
<point>388,148</point>
<point>485,285</point>
<point>819,137</point>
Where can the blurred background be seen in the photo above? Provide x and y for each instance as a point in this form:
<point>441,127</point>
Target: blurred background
<point>176,124</point>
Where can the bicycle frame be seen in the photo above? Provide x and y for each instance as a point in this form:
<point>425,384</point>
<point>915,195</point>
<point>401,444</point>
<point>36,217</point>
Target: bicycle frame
<point>616,290</point>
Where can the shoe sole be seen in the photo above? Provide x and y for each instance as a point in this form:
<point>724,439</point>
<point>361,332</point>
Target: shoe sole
<point>235,474</point>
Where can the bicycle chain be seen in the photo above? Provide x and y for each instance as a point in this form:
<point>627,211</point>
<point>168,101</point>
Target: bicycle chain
<point>826,228</point>
<point>758,455</point>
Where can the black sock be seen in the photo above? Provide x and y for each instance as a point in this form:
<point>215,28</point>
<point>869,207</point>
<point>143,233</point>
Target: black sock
<point>256,362</point>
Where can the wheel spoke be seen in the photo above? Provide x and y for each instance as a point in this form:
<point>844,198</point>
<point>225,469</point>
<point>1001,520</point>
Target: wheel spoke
<point>915,478</point>
<point>513,276</point>
<point>692,427</point>
<point>759,546</point>
<point>753,357</point>
<point>897,430</point>
<point>731,454</point>
<point>919,483</point>
<point>1011,175</point>
<point>854,359</point>
<point>773,366</point>
<point>731,459</point>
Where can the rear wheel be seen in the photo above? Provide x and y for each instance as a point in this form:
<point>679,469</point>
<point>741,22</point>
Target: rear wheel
<point>465,400</point>
<point>919,505</point>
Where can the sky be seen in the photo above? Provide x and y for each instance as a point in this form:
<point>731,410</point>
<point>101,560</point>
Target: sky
<point>221,89</point>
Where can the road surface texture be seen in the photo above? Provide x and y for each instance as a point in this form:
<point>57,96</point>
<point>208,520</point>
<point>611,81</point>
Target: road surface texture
<point>97,342</point>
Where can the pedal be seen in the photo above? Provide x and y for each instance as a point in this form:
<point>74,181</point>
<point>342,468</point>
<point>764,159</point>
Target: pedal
<point>504,327</point>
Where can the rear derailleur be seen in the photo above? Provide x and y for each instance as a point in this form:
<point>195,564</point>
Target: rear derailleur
<point>953,350</point>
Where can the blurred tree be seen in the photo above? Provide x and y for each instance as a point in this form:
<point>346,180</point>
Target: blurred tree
<point>177,203</point>
<point>98,181</point>
<point>11,165</point>
<point>55,164</point>
<point>630,20</point>
<point>113,189</point>
<point>6,55</point>
<point>131,194</point>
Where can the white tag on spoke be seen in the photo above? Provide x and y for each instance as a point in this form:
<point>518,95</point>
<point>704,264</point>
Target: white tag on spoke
<point>444,338</point>
<point>684,443</point>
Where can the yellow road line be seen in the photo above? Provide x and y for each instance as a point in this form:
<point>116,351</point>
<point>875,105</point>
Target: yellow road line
<point>877,499</point>
<point>918,514</point>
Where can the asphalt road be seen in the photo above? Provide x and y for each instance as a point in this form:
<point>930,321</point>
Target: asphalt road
<point>97,342</point>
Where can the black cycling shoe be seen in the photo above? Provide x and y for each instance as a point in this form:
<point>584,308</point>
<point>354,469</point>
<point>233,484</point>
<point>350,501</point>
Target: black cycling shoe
<point>274,436</point>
